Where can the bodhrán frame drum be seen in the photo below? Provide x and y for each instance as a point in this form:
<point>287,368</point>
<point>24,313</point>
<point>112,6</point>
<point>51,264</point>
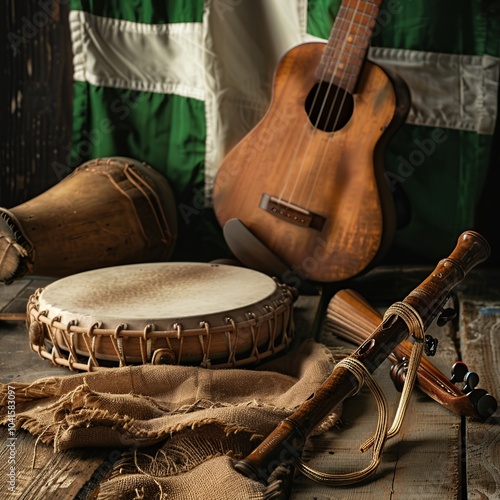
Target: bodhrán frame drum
<point>212,315</point>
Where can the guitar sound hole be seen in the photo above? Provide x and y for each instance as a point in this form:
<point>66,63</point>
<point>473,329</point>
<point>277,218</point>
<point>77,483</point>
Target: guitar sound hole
<point>329,107</point>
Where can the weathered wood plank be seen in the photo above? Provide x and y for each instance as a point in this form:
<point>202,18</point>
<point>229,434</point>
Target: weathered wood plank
<point>39,473</point>
<point>480,341</point>
<point>18,362</point>
<point>10,292</point>
<point>35,97</point>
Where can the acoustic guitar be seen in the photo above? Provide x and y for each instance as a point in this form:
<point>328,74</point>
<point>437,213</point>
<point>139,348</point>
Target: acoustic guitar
<point>308,180</point>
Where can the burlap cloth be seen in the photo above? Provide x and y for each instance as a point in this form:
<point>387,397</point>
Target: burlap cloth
<point>201,421</point>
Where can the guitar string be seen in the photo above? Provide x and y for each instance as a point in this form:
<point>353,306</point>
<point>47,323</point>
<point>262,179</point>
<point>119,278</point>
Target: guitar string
<point>295,156</point>
<point>339,87</point>
<point>298,144</point>
<point>330,86</point>
<point>325,149</point>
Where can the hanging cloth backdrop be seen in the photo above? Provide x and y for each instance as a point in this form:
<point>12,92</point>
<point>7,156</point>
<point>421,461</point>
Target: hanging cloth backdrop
<point>177,83</point>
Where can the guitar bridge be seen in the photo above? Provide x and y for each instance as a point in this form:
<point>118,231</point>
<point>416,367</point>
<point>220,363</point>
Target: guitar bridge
<point>291,213</point>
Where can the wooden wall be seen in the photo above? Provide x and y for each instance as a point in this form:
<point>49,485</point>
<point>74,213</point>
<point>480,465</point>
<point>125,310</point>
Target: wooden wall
<point>35,96</point>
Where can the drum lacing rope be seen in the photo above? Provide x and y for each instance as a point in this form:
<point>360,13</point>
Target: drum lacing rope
<point>32,318</point>
<point>12,243</point>
<point>272,325</point>
<point>285,334</point>
<point>73,356</point>
<point>255,340</point>
<point>21,243</point>
<point>55,346</point>
<point>155,208</point>
<point>206,362</point>
<point>416,328</point>
<point>180,338</point>
<point>117,343</point>
<point>145,343</point>
<point>89,335</point>
<point>232,345</point>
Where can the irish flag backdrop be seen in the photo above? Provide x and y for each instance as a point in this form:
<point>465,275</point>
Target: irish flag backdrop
<point>177,83</point>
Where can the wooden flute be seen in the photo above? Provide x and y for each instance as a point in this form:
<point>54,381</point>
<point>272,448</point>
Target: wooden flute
<point>284,444</point>
<point>352,318</point>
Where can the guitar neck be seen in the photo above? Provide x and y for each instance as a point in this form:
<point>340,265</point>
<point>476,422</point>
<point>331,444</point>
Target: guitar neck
<point>348,43</point>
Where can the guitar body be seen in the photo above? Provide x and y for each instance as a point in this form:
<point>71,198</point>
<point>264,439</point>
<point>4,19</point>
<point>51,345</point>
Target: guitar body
<point>316,198</point>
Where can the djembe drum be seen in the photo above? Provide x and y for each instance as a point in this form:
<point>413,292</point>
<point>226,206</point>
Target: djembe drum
<point>211,315</point>
<point>108,212</point>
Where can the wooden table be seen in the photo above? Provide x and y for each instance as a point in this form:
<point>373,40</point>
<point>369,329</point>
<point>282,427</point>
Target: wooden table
<point>437,455</point>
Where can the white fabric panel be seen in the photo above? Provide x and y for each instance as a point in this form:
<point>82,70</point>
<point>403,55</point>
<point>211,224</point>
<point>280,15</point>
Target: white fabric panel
<point>137,56</point>
<point>448,90</point>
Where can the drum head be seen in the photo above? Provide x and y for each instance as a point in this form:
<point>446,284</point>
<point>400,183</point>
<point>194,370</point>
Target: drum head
<point>192,312</point>
<point>154,293</point>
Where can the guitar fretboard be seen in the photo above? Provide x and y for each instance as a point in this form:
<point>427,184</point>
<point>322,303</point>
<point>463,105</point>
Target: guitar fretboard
<point>348,43</point>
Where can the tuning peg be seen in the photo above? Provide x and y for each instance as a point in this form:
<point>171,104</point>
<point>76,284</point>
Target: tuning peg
<point>449,314</point>
<point>471,380</point>
<point>458,372</point>
<point>485,404</point>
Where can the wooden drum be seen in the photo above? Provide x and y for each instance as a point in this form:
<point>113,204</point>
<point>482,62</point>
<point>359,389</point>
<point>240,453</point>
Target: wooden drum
<point>108,212</point>
<point>212,315</point>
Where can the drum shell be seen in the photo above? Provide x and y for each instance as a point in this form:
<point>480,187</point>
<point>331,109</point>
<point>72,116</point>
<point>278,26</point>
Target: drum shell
<point>107,212</point>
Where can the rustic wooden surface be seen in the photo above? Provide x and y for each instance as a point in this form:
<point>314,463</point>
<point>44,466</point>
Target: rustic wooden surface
<point>437,454</point>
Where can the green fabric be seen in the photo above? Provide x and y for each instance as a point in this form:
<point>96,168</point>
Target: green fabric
<point>166,131</point>
<point>321,16</point>
<point>447,26</point>
<point>444,191</point>
<point>442,181</point>
<point>144,11</point>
